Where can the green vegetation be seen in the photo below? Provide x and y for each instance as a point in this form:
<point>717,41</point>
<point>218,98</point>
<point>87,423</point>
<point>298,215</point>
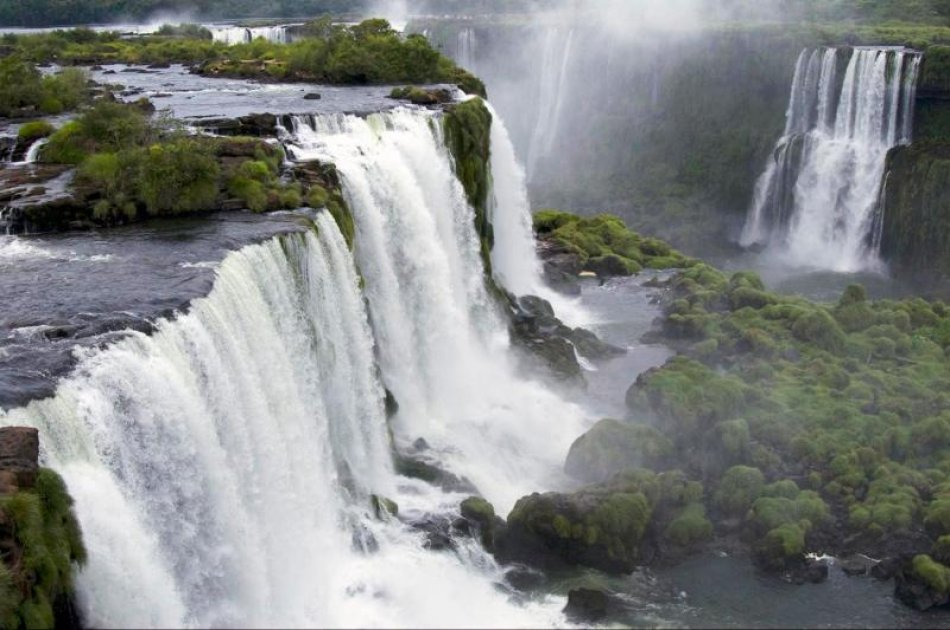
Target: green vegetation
<point>34,130</point>
<point>851,398</point>
<point>606,526</point>
<point>467,128</point>
<point>603,243</point>
<point>48,544</point>
<point>367,53</point>
<point>130,167</point>
<point>25,92</point>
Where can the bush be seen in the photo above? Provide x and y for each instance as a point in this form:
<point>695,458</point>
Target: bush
<point>35,130</point>
<point>690,526</point>
<point>739,487</point>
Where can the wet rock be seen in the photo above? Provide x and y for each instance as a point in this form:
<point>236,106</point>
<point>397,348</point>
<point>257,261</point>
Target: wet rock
<point>391,404</point>
<point>256,125</point>
<point>913,589</point>
<point>19,458</point>
<point>886,568</point>
<point>524,578</point>
<point>417,468</point>
<point>811,572</point>
<point>857,564</point>
<point>312,96</point>
<point>587,604</point>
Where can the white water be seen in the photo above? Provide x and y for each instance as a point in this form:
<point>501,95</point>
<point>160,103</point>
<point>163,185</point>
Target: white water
<point>816,204</point>
<point>467,47</point>
<point>442,348</point>
<point>34,151</point>
<point>221,467</point>
<point>231,35</point>
<point>556,57</point>
<point>514,261</point>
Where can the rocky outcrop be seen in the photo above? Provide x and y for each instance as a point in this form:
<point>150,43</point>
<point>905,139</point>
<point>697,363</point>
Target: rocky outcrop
<point>916,231</point>
<point>550,345</point>
<point>40,541</point>
<point>254,125</point>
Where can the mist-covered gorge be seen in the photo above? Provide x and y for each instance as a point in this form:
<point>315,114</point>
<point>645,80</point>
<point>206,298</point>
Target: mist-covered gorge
<point>672,129</point>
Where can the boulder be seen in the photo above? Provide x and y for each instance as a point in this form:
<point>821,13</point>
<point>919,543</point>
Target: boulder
<point>312,96</point>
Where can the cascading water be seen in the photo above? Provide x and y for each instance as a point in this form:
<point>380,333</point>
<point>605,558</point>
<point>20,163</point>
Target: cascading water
<point>817,201</point>
<point>231,35</point>
<point>556,57</point>
<point>222,466</point>
<point>442,348</point>
<point>514,261</point>
<point>467,47</point>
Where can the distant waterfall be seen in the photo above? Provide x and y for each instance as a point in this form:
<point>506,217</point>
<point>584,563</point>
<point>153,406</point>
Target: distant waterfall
<point>442,347</point>
<point>222,466</point>
<point>467,46</point>
<point>556,57</point>
<point>231,35</point>
<point>816,203</point>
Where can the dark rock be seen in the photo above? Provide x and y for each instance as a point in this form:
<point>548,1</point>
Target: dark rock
<point>312,96</point>
<point>857,564</point>
<point>416,468</point>
<point>587,604</point>
<point>257,125</point>
<point>420,445</point>
<point>886,568</point>
<point>19,458</point>
<point>811,572</point>
<point>159,66</point>
<point>589,345</point>
<point>914,592</point>
<point>392,406</point>
<point>524,578</point>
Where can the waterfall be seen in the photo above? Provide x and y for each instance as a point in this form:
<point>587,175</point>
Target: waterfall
<point>556,57</point>
<point>442,348</point>
<point>222,466</point>
<point>232,35</point>
<point>514,260</point>
<point>817,201</point>
<point>467,47</point>
<point>34,151</point>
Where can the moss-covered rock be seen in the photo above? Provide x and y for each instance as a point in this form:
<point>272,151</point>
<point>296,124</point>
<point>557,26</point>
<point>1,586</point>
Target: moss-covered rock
<point>612,446</point>
<point>467,128</point>
<point>602,244</point>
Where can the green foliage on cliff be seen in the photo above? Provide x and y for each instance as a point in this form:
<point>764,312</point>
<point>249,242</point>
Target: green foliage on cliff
<point>916,234</point>
<point>467,128</point>
<point>605,525</point>
<point>604,244</point>
<point>49,546</point>
<point>24,91</point>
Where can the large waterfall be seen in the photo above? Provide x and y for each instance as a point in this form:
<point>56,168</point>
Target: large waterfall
<point>223,466</point>
<point>816,203</point>
<point>442,347</point>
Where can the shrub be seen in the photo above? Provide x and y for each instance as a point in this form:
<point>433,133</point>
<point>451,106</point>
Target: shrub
<point>690,526</point>
<point>739,487</point>
<point>35,130</point>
